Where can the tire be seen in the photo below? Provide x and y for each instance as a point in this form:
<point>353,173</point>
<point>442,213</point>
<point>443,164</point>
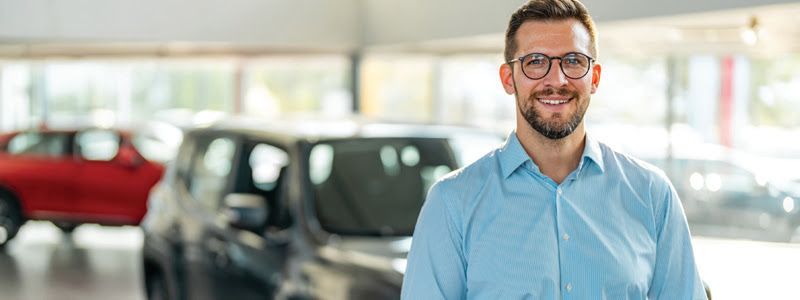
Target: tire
<point>10,217</point>
<point>65,227</point>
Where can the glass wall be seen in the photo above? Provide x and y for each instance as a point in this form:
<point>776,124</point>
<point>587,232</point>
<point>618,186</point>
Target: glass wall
<point>69,93</point>
<point>398,87</point>
<point>294,85</point>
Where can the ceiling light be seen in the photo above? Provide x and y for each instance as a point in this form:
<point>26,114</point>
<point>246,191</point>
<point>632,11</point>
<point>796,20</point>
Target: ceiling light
<point>750,34</point>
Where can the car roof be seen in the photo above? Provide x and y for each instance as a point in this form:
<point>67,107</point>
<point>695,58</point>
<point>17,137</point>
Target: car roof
<point>324,129</point>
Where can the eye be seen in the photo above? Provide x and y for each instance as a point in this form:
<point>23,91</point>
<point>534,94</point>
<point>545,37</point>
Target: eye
<point>537,60</point>
<point>572,60</point>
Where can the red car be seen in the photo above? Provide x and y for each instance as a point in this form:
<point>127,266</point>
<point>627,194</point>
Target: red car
<point>72,177</point>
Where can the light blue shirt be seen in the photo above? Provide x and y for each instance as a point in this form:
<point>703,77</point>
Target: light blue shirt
<point>500,229</point>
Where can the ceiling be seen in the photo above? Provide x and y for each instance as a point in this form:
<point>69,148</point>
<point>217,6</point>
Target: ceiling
<point>767,30</point>
<point>776,29</point>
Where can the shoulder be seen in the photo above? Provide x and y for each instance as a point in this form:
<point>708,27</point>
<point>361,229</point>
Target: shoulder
<point>462,186</point>
<point>634,170</point>
<point>649,183</point>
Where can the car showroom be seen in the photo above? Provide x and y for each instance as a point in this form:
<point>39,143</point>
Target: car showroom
<point>285,149</point>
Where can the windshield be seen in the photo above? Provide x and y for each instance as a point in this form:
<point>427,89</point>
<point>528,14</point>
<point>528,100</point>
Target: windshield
<point>376,186</point>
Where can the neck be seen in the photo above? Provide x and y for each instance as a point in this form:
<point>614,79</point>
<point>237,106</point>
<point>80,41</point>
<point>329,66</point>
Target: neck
<point>555,158</point>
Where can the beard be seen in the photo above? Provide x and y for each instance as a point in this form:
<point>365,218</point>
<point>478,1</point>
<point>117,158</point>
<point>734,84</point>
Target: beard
<point>554,129</point>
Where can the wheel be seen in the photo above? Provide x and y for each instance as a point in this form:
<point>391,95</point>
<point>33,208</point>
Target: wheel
<point>10,217</point>
<point>156,287</point>
<point>66,227</point>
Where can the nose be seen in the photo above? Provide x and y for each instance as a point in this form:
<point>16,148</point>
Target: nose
<point>555,77</point>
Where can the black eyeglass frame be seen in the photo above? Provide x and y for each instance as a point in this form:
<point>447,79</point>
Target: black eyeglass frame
<point>550,64</point>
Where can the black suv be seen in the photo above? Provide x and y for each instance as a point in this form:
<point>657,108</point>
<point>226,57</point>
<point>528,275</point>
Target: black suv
<point>295,210</point>
<point>723,198</point>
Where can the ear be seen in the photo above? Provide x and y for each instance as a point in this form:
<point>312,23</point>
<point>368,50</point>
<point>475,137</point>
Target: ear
<point>507,78</point>
<point>596,70</point>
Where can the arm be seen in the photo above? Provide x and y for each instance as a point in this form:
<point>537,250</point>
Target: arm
<point>675,275</point>
<point>436,265</point>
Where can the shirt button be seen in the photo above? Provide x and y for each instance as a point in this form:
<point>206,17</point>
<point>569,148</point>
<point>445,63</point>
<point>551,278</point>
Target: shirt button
<point>560,191</point>
<point>569,287</point>
<point>565,237</point>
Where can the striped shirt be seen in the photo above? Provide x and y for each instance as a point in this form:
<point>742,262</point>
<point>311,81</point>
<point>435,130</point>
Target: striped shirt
<point>500,229</point>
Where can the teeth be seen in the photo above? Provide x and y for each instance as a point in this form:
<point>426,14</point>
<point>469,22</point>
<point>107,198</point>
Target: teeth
<point>553,102</point>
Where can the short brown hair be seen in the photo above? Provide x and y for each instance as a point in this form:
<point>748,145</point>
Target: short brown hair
<point>544,10</point>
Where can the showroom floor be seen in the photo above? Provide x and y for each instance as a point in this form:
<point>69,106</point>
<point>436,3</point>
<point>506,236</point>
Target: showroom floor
<point>104,263</point>
<point>95,263</point>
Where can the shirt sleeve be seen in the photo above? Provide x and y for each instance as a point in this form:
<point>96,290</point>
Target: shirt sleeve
<point>436,267</point>
<point>675,275</point>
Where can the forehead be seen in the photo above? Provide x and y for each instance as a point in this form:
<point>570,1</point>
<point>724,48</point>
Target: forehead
<point>552,37</point>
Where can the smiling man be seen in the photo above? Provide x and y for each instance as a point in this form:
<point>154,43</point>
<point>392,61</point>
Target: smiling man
<point>553,213</point>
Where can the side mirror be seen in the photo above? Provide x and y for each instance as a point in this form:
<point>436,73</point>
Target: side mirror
<point>246,211</point>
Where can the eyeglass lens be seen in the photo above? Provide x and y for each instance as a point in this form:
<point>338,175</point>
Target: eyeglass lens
<point>537,65</point>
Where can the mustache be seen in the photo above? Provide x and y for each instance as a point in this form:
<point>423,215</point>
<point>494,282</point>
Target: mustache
<point>551,91</point>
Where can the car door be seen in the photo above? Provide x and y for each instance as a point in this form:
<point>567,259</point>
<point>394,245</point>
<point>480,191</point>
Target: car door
<point>208,180</point>
<point>40,168</point>
<point>224,261</point>
<point>114,179</point>
<point>250,262</point>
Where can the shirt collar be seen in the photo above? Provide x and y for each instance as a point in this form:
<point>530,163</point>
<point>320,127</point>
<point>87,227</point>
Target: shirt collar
<point>512,155</point>
<point>593,151</point>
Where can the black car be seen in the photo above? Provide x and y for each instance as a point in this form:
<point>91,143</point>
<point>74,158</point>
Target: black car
<point>723,198</point>
<point>295,210</point>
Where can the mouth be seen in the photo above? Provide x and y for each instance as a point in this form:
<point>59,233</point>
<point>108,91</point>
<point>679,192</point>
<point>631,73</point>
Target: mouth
<point>554,102</point>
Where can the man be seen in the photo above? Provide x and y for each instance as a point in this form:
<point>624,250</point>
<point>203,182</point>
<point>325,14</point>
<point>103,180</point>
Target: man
<point>552,214</point>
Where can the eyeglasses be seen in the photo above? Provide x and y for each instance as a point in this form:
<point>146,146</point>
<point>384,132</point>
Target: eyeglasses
<point>536,65</point>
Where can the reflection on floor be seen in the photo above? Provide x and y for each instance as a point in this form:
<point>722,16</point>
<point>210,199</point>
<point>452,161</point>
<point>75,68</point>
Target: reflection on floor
<point>741,269</point>
<point>94,263</point>
<point>103,263</point>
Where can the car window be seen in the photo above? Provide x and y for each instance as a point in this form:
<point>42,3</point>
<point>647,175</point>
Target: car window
<point>210,170</point>
<point>40,144</point>
<point>263,173</point>
<point>376,186</point>
<point>267,162</point>
<point>98,144</point>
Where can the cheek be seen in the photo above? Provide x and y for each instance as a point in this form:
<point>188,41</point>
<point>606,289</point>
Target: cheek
<point>525,89</point>
<point>584,87</point>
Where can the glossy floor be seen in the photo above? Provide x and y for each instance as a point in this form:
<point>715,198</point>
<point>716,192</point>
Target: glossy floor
<point>94,263</point>
<point>741,269</point>
<point>104,263</point>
